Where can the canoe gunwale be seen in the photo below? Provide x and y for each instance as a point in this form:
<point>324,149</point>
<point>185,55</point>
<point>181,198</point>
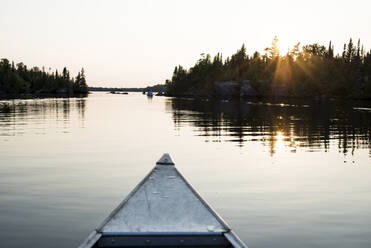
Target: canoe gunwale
<point>236,242</point>
<point>97,233</point>
<point>126,199</point>
<point>204,202</point>
<point>90,241</point>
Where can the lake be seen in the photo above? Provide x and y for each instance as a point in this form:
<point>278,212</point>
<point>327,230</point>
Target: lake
<point>281,173</point>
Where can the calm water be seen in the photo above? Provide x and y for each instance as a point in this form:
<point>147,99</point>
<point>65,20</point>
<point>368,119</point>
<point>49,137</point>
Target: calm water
<point>282,174</point>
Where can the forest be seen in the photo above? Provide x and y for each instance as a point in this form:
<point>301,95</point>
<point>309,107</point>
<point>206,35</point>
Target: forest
<point>304,71</point>
<point>17,80</point>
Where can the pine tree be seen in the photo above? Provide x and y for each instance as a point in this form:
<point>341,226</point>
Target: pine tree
<point>350,51</point>
<point>330,51</point>
<point>344,52</point>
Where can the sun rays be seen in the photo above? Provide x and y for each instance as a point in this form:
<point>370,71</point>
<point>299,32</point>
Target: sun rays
<point>288,61</point>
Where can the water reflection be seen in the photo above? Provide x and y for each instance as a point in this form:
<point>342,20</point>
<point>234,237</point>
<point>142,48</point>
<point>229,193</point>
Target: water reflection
<point>292,125</point>
<point>68,162</point>
<point>36,114</point>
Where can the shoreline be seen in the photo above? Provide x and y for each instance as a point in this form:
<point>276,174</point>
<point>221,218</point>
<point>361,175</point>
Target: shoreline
<point>236,97</point>
<point>40,96</point>
<point>195,96</point>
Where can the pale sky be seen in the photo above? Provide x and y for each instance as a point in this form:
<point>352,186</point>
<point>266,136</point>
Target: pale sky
<point>138,43</point>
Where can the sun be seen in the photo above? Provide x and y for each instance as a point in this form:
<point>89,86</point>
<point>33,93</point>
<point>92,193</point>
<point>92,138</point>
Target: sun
<point>285,44</point>
<point>284,47</point>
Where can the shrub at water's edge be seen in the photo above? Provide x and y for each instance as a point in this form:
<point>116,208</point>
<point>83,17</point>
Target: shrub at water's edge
<point>17,80</point>
<point>307,71</point>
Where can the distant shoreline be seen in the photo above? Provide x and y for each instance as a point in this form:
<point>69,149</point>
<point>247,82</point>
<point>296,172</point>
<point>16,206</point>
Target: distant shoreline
<point>154,88</point>
<point>104,89</point>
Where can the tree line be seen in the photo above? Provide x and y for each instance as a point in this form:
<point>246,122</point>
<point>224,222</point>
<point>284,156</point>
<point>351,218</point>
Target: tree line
<point>304,71</point>
<point>17,79</point>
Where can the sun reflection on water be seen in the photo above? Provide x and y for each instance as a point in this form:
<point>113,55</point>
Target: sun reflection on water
<point>279,141</point>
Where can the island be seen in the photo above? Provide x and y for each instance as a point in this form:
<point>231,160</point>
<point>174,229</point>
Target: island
<point>304,71</point>
<point>17,81</point>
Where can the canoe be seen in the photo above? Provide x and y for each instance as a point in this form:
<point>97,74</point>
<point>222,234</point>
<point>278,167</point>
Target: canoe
<point>163,210</point>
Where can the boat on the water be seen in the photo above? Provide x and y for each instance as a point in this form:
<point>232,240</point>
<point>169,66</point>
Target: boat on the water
<point>163,210</point>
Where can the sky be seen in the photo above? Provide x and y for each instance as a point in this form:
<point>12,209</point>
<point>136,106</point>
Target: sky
<point>138,43</point>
